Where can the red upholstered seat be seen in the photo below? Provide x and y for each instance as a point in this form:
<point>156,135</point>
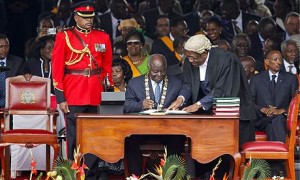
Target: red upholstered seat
<point>260,136</point>
<point>28,95</point>
<point>265,146</point>
<point>275,149</point>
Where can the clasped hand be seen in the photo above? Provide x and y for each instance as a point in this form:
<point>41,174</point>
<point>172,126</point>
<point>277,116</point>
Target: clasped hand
<point>271,110</point>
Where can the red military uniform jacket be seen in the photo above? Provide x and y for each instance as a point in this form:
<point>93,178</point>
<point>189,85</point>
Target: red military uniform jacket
<point>69,54</point>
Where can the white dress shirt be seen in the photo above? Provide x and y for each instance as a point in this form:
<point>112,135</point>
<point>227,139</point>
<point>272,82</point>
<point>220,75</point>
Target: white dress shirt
<point>202,69</point>
<point>287,67</point>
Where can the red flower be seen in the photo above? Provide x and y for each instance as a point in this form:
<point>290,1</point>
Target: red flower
<point>162,162</point>
<point>33,164</point>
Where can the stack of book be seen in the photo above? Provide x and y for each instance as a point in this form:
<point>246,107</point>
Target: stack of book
<point>226,106</point>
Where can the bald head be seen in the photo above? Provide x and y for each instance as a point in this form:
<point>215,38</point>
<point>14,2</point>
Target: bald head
<point>157,65</point>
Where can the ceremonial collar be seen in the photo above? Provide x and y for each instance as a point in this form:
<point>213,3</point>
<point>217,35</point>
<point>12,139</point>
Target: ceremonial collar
<point>164,91</point>
<point>82,30</point>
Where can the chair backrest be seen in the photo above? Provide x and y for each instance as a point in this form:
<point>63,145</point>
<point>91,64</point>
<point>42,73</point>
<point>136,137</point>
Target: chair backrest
<point>292,120</point>
<point>27,92</point>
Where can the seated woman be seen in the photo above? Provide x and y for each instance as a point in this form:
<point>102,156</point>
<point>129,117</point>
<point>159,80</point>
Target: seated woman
<point>137,60</point>
<point>121,74</point>
<point>40,64</point>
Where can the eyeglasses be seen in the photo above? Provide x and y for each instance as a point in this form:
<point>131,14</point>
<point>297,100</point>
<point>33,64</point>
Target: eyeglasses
<point>135,43</point>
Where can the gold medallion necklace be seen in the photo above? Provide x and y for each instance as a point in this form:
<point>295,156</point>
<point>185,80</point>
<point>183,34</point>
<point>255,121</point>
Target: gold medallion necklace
<point>164,91</point>
<point>136,62</point>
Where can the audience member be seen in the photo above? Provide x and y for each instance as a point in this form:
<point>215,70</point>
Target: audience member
<point>281,9</point>
<point>266,29</point>
<point>127,25</point>
<point>151,91</point>
<point>290,55</point>
<point>101,7</point>
<point>43,29</point>
<point>175,59</point>
<point>121,74</point>
<point>272,91</point>
<point>14,63</point>
<point>63,17</point>
<point>78,90</point>
<point>40,64</point>
<point>214,30</point>
<point>261,9</point>
<point>223,44</point>
<point>234,19</point>
<point>248,64</point>
<point>136,58</point>
<point>247,6</point>
<point>251,27</point>
<point>164,45</point>
<point>292,24</point>
<point>110,21</point>
<point>162,27</point>
<point>205,16</point>
<point>208,75</point>
<point>272,43</point>
<point>241,44</point>
<point>165,7</point>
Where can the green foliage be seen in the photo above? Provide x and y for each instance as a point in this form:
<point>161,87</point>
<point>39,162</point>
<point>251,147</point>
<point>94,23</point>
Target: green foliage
<point>174,168</point>
<point>259,168</point>
<point>63,168</point>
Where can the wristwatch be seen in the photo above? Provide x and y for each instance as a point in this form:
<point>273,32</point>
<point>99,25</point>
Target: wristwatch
<point>198,103</point>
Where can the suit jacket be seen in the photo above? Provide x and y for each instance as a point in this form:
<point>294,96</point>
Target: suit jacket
<point>159,47</point>
<point>246,17</point>
<point>225,77</point>
<point>135,93</point>
<point>16,65</point>
<point>282,68</point>
<point>256,50</point>
<point>286,86</point>
<point>151,18</point>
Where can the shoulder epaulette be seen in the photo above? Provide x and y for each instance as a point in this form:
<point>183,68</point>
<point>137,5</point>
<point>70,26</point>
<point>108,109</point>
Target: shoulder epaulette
<point>68,28</point>
<point>99,29</point>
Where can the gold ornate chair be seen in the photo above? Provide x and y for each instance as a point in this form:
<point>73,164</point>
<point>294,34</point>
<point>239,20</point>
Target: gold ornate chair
<point>28,95</point>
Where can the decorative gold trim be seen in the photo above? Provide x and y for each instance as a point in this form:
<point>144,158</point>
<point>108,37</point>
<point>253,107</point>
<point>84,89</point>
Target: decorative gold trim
<point>77,51</point>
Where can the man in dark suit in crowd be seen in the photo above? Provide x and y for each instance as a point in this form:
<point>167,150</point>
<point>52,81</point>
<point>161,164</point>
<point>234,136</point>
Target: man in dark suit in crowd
<point>14,63</point>
<point>266,29</point>
<point>290,53</point>
<point>164,45</point>
<point>235,20</point>
<point>165,7</point>
<point>110,21</point>
<point>213,72</point>
<point>272,91</point>
<point>151,91</point>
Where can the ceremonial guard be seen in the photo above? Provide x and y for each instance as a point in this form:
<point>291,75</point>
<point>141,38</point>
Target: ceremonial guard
<point>82,57</point>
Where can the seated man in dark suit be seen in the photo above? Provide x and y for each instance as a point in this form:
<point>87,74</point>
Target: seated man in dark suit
<point>272,91</point>
<point>153,90</point>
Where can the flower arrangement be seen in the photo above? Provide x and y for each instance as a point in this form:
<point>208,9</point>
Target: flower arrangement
<point>64,168</point>
<point>256,168</point>
<point>172,167</point>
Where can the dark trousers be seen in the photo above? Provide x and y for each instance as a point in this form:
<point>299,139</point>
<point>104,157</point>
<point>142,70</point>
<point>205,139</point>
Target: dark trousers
<point>90,160</point>
<point>274,126</point>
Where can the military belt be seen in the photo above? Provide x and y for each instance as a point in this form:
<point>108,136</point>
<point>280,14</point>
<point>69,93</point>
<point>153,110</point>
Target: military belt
<point>84,72</point>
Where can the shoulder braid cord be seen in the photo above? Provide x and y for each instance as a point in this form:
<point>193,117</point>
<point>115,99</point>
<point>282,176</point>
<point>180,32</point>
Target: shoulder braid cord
<point>81,52</point>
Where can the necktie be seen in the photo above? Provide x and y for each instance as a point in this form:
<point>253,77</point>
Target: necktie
<point>157,93</point>
<point>290,68</point>
<point>273,85</point>
<point>2,86</point>
<point>118,33</point>
<point>236,28</point>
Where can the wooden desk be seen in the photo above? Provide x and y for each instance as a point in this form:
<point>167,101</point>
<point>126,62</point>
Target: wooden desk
<point>211,136</point>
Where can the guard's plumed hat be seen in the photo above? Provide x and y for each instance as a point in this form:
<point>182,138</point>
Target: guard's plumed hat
<point>84,9</point>
<point>198,43</point>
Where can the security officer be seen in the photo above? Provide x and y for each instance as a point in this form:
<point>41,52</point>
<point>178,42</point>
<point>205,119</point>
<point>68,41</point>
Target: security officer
<point>82,57</point>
